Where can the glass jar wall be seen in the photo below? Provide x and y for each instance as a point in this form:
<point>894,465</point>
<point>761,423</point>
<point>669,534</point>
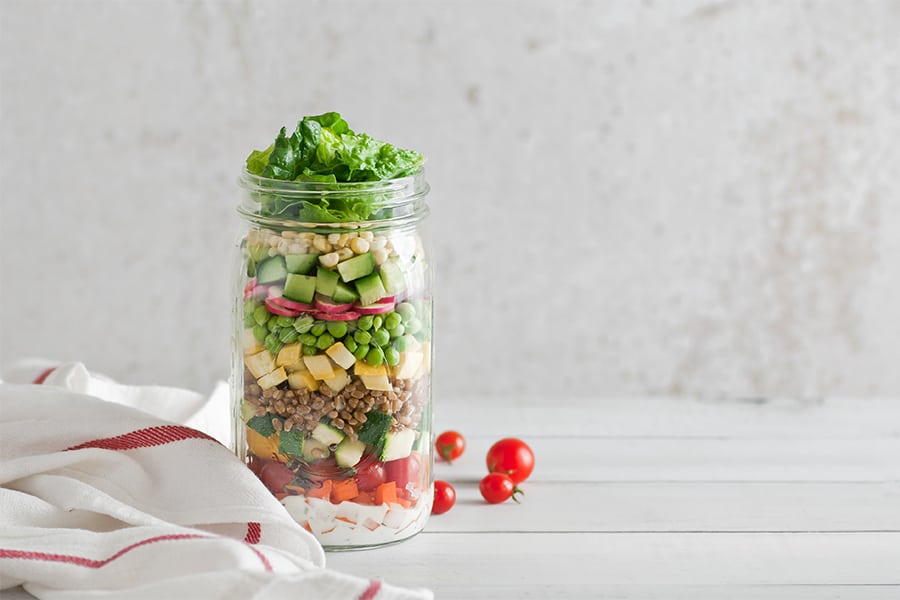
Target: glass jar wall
<point>332,355</point>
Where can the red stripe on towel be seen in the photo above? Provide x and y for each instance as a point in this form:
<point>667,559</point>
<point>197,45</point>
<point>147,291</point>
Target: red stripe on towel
<point>92,563</point>
<point>372,590</point>
<point>254,531</point>
<point>89,562</point>
<point>146,438</point>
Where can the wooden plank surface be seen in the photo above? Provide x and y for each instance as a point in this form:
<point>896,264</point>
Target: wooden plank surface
<point>666,498</point>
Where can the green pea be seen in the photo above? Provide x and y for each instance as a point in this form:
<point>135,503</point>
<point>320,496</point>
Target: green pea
<point>406,311</point>
<point>308,339</point>
<point>365,322</point>
<point>249,321</point>
<point>361,351</point>
<point>391,320</point>
<point>375,356</point>
<point>363,337</point>
<point>413,325</point>
<point>397,331</point>
<point>309,350</point>
<point>381,337</point>
<point>317,329</point>
<point>391,356</point>
<point>303,324</point>
<point>284,321</point>
<point>377,322</point>
<point>260,332</point>
<point>250,306</point>
<point>325,341</point>
<point>350,343</point>
<point>261,315</point>
<point>288,335</point>
<point>272,324</point>
<point>337,328</point>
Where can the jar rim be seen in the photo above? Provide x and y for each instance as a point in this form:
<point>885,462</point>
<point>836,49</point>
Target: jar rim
<point>399,200</point>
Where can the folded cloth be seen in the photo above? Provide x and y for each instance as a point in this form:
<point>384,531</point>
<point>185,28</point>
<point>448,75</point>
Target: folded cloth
<point>100,498</point>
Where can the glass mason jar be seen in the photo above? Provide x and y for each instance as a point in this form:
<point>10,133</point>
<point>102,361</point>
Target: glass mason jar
<point>332,355</point>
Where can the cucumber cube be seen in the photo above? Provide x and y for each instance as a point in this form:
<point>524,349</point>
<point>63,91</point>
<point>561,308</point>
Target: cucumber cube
<point>356,267</point>
<point>326,281</point>
<point>370,289</point>
<point>301,263</point>
<point>300,288</point>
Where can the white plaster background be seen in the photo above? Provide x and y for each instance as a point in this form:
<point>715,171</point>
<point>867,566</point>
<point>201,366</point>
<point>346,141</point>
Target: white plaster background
<point>628,197</point>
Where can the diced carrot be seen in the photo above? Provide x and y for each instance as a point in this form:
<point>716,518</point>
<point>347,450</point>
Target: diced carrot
<point>403,502</point>
<point>306,526</point>
<point>386,493</point>
<point>343,489</point>
<point>295,489</point>
<point>345,520</point>
<point>364,498</point>
<point>323,492</point>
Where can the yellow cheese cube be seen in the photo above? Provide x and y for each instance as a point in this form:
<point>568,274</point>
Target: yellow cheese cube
<point>376,382</point>
<point>339,380</point>
<point>339,354</point>
<point>260,363</point>
<point>320,366</point>
<point>297,366</point>
<point>299,380</point>
<point>288,355</point>
<point>272,379</point>
<point>249,342</point>
<point>408,365</point>
<point>363,368</point>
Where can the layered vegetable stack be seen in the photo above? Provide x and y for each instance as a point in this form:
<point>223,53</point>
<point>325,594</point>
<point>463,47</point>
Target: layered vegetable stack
<point>336,340</point>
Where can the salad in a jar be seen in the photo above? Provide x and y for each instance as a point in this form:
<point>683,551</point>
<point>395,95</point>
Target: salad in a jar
<point>334,346</point>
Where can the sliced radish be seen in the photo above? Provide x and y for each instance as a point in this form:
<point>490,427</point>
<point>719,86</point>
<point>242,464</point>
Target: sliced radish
<point>281,311</point>
<point>326,304</point>
<point>248,289</point>
<point>291,304</point>
<point>386,299</point>
<point>374,309</point>
<point>336,316</point>
<point>260,292</point>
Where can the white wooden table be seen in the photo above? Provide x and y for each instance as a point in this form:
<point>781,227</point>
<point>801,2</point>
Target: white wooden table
<point>665,498</point>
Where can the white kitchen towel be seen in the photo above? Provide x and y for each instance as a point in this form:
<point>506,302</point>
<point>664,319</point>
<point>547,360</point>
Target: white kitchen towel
<point>101,499</point>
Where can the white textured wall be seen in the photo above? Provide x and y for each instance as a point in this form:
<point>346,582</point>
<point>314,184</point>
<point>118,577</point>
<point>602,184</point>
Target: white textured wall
<point>628,197</point>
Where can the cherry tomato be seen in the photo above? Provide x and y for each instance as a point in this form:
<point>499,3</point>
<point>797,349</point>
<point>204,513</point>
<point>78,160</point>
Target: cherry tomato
<point>513,457</point>
<point>370,477</point>
<point>275,476</point>
<point>450,445</point>
<point>444,497</point>
<point>403,470</point>
<point>498,487</point>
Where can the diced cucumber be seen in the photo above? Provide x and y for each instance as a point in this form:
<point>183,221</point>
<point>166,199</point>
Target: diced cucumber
<point>313,449</point>
<point>370,289</point>
<point>344,294</point>
<point>326,281</point>
<point>356,267</point>
<point>392,277</point>
<point>398,444</point>
<point>301,263</point>
<point>349,452</point>
<point>271,270</point>
<point>327,434</point>
<point>300,288</point>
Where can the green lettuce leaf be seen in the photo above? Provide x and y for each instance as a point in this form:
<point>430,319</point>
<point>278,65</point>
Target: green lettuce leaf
<point>323,148</point>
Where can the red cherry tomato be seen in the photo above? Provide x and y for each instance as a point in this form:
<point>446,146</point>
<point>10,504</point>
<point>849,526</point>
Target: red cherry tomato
<point>513,457</point>
<point>450,445</point>
<point>275,476</point>
<point>403,470</point>
<point>498,487</point>
<point>444,497</point>
<point>370,477</point>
